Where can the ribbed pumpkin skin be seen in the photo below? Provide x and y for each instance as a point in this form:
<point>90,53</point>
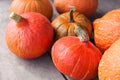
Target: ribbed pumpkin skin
<point>109,67</point>
<point>31,37</point>
<point>86,7</point>
<point>107,29</point>
<point>41,6</point>
<point>63,26</point>
<point>76,59</point>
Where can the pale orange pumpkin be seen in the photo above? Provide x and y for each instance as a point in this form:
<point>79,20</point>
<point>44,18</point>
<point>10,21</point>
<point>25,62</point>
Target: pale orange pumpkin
<point>86,7</point>
<point>109,66</point>
<point>41,6</point>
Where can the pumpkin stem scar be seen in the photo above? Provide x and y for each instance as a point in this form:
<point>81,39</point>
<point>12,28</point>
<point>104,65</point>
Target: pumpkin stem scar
<point>72,9</point>
<point>15,17</point>
<point>81,33</point>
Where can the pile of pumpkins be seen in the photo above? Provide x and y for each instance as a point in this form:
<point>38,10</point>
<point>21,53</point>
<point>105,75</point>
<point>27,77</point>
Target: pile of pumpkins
<point>30,33</point>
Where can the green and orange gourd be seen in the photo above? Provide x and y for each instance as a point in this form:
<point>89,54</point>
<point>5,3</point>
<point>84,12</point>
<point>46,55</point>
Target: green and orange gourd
<point>65,23</point>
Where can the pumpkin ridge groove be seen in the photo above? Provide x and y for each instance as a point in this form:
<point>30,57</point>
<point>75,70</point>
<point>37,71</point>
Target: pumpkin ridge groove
<point>25,7</point>
<point>75,66</point>
<point>67,33</point>
<point>60,26</point>
<point>20,45</point>
<point>77,15</point>
<point>65,52</point>
<point>33,5</point>
<point>76,62</point>
<point>87,72</point>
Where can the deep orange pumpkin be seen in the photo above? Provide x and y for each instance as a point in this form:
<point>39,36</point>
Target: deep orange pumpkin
<point>65,23</point>
<point>76,57</point>
<point>109,67</point>
<point>30,36</point>
<point>86,7</point>
<point>41,6</point>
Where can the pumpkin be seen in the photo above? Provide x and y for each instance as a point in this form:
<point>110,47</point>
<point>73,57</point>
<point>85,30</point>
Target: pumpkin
<point>109,67</point>
<point>64,24</point>
<point>86,7</point>
<point>42,6</point>
<point>28,35</point>
<point>75,56</point>
<point>107,29</point>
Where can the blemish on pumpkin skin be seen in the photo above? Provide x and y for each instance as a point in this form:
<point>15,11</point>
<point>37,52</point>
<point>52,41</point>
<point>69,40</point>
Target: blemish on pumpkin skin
<point>106,71</point>
<point>100,73</point>
<point>100,64</point>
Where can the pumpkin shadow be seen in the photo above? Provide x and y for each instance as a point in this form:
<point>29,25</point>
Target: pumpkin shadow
<point>98,14</point>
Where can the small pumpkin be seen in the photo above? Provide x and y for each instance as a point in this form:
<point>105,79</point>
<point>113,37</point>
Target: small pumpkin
<point>109,67</point>
<point>86,7</point>
<point>107,29</point>
<point>42,6</point>
<point>75,56</point>
<point>65,23</point>
<point>29,35</point>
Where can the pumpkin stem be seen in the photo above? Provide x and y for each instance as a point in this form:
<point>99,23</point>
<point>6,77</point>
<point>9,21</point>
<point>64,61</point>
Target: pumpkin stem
<point>81,33</point>
<point>15,17</point>
<point>72,9</point>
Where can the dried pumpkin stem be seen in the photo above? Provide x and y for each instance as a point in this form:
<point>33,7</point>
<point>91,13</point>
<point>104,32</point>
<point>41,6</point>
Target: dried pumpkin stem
<point>72,9</point>
<point>15,17</point>
<point>81,33</point>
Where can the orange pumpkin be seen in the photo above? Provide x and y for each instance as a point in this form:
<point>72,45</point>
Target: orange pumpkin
<point>29,35</point>
<point>65,23</point>
<point>109,67</point>
<point>86,7</point>
<point>41,6</point>
<point>75,56</point>
<point>107,29</point>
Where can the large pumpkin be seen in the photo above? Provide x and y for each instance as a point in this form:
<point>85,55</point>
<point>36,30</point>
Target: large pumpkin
<point>65,23</point>
<point>86,7</point>
<point>109,67</point>
<point>29,35</point>
<point>107,29</point>
<point>76,57</point>
<point>41,6</point>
